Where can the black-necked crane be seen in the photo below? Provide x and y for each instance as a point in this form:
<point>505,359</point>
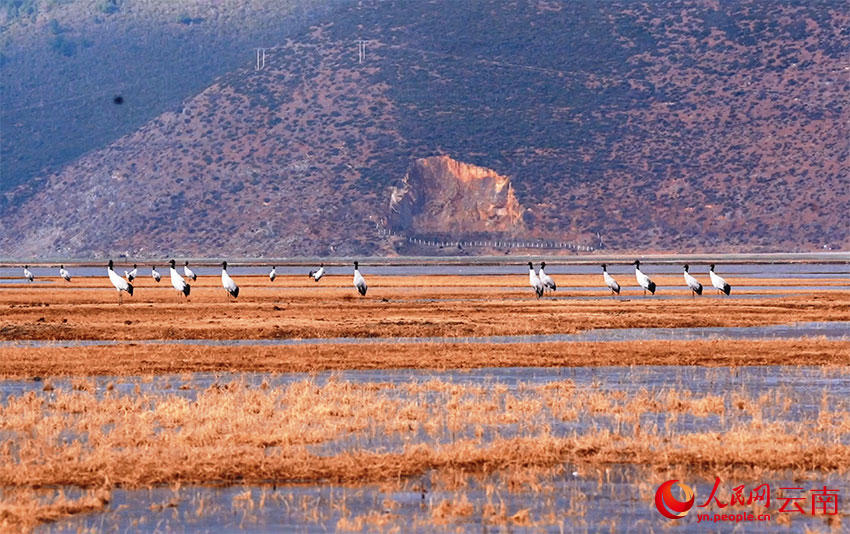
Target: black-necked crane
<point>227,283</point>
<point>132,274</point>
<point>188,272</point>
<point>534,281</point>
<point>359,281</point>
<point>545,279</point>
<point>272,274</point>
<point>317,275</point>
<point>28,274</point>
<point>155,274</point>
<point>693,284</point>
<point>609,281</point>
<point>119,283</point>
<point>64,273</point>
<point>718,282</point>
<point>643,280</point>
<point>177,281</point>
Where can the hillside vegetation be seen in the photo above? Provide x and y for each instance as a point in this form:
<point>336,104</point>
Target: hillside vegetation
<point>665,126</point>
<point>63,62</point>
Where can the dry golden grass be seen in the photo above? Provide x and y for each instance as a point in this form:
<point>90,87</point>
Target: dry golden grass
<point>158,359</point>
<point>236,434</point>
<point>331,308</point>
<point>23,508</point>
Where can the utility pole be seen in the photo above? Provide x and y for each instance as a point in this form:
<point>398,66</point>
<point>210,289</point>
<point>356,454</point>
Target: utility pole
<point>361,51</point>
<point>261,59</point>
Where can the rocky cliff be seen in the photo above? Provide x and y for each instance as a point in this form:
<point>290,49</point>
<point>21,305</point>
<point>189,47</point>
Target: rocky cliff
<point>441,196</point>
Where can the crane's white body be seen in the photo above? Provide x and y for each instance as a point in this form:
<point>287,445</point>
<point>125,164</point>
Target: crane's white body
<point>317,275</point>
<point>359,281</point>
<point>189,273</point>
<point>693,284</point>
<point>28,274</point>
<point>534,281</point>
<point>718,282</point>
<point>155,274</point>
<point>177,281</point>
<point>610,282</point>
<point>272,274</point>
<point>65,274</point>
<point>119,283</point>
<point>228,284</point>
<point>546,280</point>
<point>644,281</point>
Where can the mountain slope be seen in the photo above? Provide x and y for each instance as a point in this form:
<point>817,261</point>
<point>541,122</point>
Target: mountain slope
<point>63,62</point>
<point>226,173</point>
<point>670,126</point>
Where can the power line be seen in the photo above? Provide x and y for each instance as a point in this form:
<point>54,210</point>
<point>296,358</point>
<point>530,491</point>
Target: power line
<point>546,70</point>
<point>485,61</point>
<point>261,63</point>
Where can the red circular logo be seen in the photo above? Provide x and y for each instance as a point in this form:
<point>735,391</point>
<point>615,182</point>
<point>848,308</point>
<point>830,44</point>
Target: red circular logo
<point>668,505</point>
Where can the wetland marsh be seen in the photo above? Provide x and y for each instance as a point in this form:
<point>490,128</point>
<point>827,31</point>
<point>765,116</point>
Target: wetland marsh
<point>439,402</point>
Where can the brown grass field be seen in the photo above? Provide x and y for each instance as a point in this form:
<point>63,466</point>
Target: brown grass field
<point>131,359</point>
<point>295,307</point>
<point>236,434</point>
<point>432,306</point>
<point>239,434</point>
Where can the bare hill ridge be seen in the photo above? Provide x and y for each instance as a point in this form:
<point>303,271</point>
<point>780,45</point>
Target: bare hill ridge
<point>671,126</point>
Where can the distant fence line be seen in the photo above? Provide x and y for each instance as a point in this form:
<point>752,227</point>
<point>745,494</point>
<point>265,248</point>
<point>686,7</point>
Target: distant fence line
<point>490,243</point>
<point>501,244</point>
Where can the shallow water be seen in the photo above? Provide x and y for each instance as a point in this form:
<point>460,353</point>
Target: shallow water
<point>626,378</point>
<point>569,499</point>
<point>606,500</point>
<point>563,292</point>
<point>728,271</point>
<point>802,391</point>
<point>829,330</point>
